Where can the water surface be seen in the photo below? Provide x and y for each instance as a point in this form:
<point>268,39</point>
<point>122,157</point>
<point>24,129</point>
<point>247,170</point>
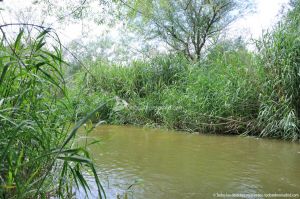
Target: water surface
<point>166,164</point>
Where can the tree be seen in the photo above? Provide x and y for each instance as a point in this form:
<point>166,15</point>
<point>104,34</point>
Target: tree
<point>185,25</point>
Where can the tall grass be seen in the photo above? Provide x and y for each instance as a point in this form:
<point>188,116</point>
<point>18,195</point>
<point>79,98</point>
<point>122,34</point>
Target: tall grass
<point>37,157</point>
<point>219,94</point>
<point>232,90</point>
<point>280,55</point>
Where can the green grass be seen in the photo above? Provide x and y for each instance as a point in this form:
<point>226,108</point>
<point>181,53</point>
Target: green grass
<point>279,52</point>
<point>218,95</point>
<point>232,91</point>
<point>37,155</point>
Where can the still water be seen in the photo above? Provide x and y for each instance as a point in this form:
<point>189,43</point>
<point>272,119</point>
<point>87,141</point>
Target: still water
<point>162,164</point>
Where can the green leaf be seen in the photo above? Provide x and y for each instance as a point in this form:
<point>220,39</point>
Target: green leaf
<point>18,40</point>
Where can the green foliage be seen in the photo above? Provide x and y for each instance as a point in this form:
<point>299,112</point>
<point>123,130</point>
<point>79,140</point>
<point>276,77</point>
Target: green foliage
<point>36,152</point>
<point>186,26</point>
<point>221,96</point>
<point>217,95</point>
<point>231,90</point>
<point>280,52</point>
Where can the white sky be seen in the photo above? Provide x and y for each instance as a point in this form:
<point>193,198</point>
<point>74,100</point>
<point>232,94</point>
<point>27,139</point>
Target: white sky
<point>250,26</point>
<point>266,14</point>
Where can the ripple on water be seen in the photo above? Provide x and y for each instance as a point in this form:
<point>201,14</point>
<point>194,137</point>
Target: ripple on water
<point>166,164</point>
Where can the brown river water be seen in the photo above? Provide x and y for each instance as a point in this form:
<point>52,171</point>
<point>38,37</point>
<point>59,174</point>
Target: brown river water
<point>147,163</point>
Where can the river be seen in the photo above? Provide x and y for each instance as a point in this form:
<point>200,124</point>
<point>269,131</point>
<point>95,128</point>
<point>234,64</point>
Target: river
<point>160,164</point>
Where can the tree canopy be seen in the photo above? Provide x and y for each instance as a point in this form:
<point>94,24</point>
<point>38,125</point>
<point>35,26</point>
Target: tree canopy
<point>185,25</point>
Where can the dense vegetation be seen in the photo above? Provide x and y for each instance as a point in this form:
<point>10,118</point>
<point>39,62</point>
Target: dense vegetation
<point>230,90</point>
<point>38,155</point>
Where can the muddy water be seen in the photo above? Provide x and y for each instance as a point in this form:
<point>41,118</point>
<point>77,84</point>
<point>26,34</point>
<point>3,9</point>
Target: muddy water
<point>149,163</point>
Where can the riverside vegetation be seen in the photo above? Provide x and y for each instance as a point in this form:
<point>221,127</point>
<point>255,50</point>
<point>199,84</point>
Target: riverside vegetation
<point>38,155</point>
<point>230,90</point>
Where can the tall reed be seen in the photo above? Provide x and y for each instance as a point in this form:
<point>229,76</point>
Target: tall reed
<point>279,101</point>
<point>37,158</point>
<point>232,90</point>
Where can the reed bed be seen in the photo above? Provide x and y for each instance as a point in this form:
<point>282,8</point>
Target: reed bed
<point>38,156</point>
<point>231,90</point>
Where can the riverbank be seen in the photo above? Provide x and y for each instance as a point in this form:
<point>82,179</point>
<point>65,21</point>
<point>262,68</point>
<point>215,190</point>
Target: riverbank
<point>232,91</point>
<point>229,90</point>
<point>225,88</point>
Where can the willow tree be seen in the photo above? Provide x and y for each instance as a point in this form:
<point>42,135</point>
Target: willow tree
<point>186,26</point>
